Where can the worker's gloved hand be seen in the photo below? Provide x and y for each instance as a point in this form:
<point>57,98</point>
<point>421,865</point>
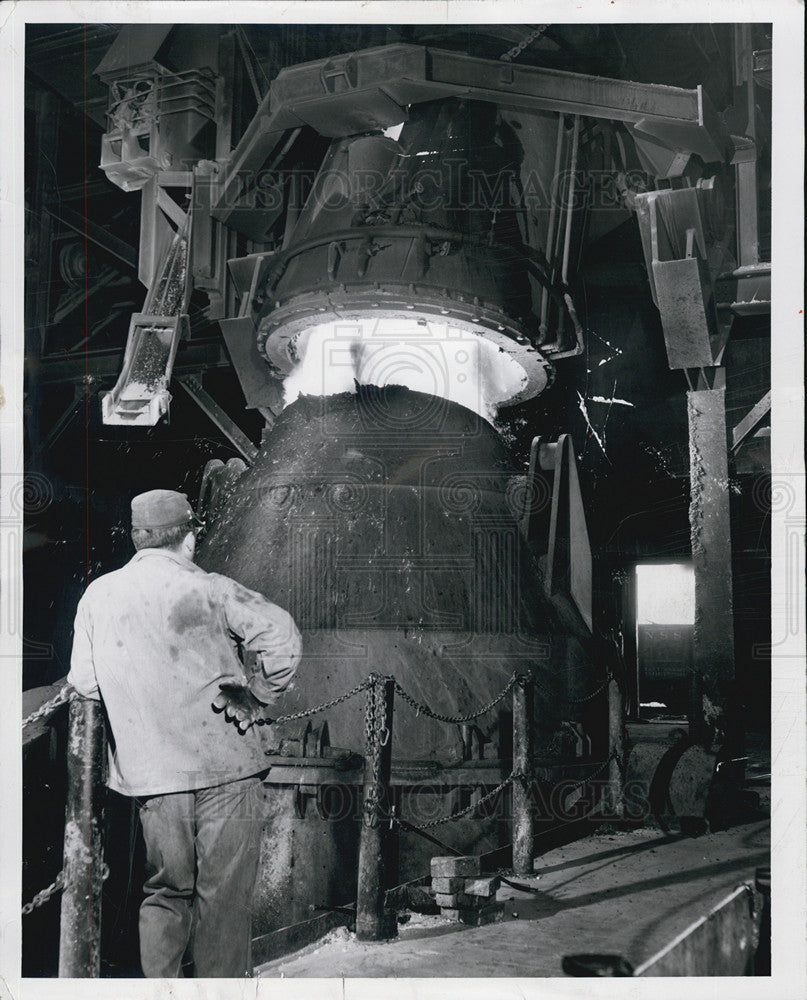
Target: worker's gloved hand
<point>239,704</point>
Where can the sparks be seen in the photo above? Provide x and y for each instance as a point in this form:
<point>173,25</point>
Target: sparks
<point>582,405</point>
<point>605,399</point>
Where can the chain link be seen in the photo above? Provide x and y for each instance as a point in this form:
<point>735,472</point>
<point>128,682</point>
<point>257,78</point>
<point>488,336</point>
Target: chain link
<point>593,776</point>
<point>513,776</point>
<point>593,694</point>
<point>421,709</point>
<point>56,886</point>
<point>42,897</point>
<point>321,708</point>
<point>61,698</point>
<point>516,51</point>
<point>375,731</point>
<point>376,735</point>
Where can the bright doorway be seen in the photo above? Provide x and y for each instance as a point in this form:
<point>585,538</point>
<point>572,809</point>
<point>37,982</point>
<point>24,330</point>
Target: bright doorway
<point>665,626</point>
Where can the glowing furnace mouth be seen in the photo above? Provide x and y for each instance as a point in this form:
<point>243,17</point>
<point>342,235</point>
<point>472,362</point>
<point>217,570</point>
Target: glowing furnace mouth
<point>478,368</point>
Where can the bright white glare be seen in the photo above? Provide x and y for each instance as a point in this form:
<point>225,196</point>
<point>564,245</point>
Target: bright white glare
<point>427,356</point>
<point>394,131</point>
<point>665,594</point>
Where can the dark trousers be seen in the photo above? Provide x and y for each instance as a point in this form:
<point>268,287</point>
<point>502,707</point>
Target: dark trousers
<point>202,852</point>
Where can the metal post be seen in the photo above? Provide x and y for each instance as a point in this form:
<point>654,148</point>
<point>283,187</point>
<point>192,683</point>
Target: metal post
<point>616,749</point>
<point>372,924</point>
<point>710,528</point>
<point>80,933</point>
<point>523,698</point>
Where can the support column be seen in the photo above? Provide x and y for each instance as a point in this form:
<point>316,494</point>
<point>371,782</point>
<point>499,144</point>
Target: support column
<point>80,929</point>
<point>616,747</point>
<point>523,721</point>
<point>372,922</point>
<point>710,532</point>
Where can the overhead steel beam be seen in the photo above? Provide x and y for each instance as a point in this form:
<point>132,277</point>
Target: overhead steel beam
<point>64,421</point>
<point>409,74</point>
<point>225,423</point>
<point>96,234</point>
<point>72,300</point>
<point>540,89</point>
<point>263,136</point>
<point>351,93</point>
<point>191,357</point>
<point>84,189</point>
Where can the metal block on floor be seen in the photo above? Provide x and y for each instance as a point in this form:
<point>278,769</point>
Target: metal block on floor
<point>483,887</point>
<point>444,867</point>
<point>448,884</point>
<point>453,900</point>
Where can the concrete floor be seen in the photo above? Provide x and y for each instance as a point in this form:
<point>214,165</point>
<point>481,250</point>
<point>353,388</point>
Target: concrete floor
<point>626,892</point>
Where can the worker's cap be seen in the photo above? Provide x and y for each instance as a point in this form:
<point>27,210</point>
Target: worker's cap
<point>161,509</point>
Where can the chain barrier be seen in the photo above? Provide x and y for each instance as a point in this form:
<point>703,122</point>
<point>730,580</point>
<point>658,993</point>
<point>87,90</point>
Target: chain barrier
<point>376,734</point>
<point>516,50</point>
<point>593,694</point>
<point>321,708</point>
<point>593,776</point>
<point>421,709</point>
<point>513,776</point>
<point>56,886</point>
<point>61,698</point>
<point>42,897</point>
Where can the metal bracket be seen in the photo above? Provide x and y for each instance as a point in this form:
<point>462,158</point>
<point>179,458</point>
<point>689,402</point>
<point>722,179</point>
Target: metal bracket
<point>567,563</point>
<point>674,235</point>
<point>751,421</point>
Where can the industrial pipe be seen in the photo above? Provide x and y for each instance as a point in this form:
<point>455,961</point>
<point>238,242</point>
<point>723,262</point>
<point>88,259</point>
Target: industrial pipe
<point>564,274</point>
<point>80,930</point>
<point>550,233</point>
<point>567,241</point>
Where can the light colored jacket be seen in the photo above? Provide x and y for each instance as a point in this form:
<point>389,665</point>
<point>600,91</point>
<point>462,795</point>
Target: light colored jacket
<point>153,640</point>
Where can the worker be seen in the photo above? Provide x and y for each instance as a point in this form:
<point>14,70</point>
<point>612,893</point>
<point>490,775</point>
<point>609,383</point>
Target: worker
<point>157,641</point>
